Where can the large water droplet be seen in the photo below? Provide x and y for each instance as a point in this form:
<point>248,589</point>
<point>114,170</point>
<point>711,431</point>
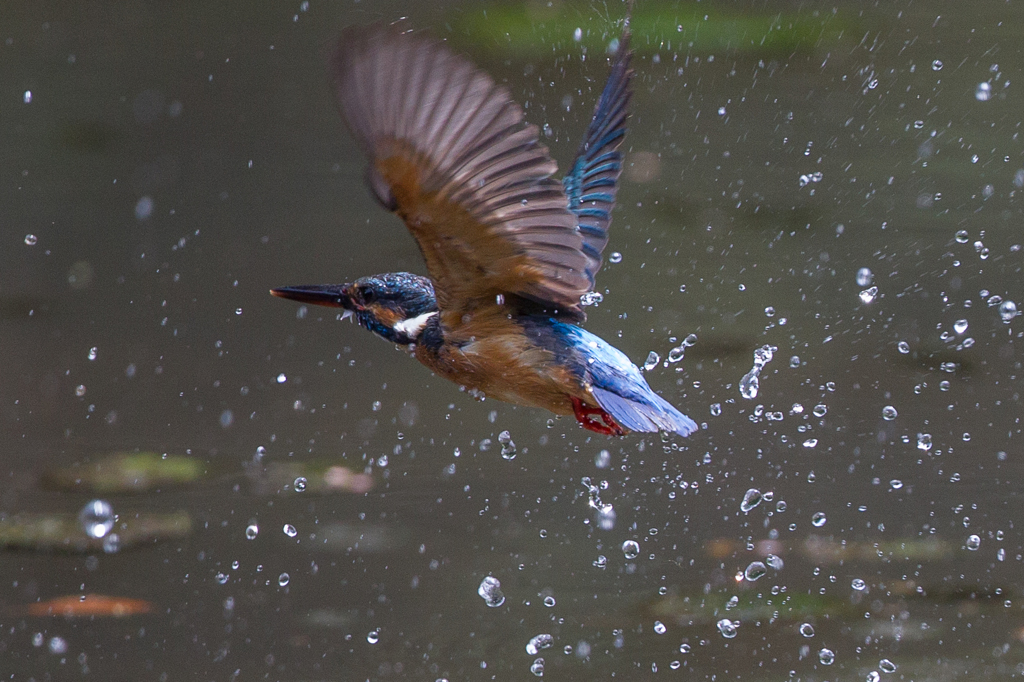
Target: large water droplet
<point>924,441</point>
<point>983,92</point>
<point>1007,310</point>
<point>889,413</point>
<point>751,499</point>
<point>887,666</point>
<point>490,591</point>
<point>868,295</point>
<point>539,642</point>
<point>652,361</point>
<point>973,542</point>
<point>826,656</point>
<point>97,518</point>
<point>806,629</point>
<point>508,447</point>
<point>754,571</point>
<point>630,549</point>
<point>728,628</point>
<point>819,519</point>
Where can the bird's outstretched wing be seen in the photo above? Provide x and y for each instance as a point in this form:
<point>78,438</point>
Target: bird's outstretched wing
<point>592,182</point>
<point>451,154</point>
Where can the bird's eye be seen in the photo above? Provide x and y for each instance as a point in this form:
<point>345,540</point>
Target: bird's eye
<point>368,295</point>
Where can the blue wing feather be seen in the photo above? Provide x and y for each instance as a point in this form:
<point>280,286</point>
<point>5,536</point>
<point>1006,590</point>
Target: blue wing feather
<point>598,162</point>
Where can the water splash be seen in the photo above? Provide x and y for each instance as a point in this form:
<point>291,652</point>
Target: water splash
<point>750,383</point>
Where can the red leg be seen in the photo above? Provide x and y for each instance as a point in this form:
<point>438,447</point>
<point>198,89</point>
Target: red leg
<point>584,415</point>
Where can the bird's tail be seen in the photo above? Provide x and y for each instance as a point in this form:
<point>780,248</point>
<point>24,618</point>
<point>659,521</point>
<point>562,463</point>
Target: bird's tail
<point>654,414</point>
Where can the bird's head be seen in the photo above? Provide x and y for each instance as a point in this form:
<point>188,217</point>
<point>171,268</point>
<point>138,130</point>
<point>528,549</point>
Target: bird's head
<point>396,306</point>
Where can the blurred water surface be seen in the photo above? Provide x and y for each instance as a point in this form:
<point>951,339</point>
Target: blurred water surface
<point>848,195</point>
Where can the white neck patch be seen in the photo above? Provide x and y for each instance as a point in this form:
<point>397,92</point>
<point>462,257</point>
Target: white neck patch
<point>414,325</point>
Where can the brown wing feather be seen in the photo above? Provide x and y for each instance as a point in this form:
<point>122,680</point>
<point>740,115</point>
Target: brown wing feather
<point>451,153</point>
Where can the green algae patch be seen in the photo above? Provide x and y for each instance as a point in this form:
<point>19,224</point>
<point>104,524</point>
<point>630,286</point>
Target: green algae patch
<point>126,472</point>
<point>529,31</point>
<point>62,532</point>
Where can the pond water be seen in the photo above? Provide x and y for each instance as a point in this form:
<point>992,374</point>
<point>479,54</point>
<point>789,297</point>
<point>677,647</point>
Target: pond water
<point>836,187</point>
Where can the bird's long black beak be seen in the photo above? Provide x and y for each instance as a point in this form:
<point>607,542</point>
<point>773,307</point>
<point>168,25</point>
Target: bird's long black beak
<point>331,295</point>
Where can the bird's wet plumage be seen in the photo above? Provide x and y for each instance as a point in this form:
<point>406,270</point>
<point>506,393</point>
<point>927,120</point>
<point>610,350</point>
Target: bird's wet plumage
<point>510,250</point>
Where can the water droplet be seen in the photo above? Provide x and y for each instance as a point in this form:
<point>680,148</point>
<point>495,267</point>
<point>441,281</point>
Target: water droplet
<point>652,361</point>
<point>676,354</point>
<point>819,519</point>
<point>591,298</point>
<point>903,347</point>
<point>27,97</point>
<point>889,413</point>
<point>973,542</point>
<point>773,560</point>
<point>490,592</point>
<point>819,411</point>
<point>508,447</point>
<point>281,378</point>
<point>112,543</point>
<point>96,518</point>
<point>960,326</point>
<point>577,35</point>
<point>806,629</point>
<point>754,571</point>
<point>603,459</point>
<point>601,561</point>
<point>537,667</point>
<point>811,443</point>
<point>31,240</point>
<point>750,383</point>
<point>283,579</point>
<point>373,636</point>
<point>289,530</point>
<point>728,628</point>
<point>887,666</point>
<point>1007,310</point>
<point>794,361</point>
<point>716,409</point>
<point>751,499</point>
<point>630,549</point>
<point>858,585</point>
<point>826,657</point>
<point>895,484</point>
<point>80,390</point>
<point>937,65</point>
<point>868,295</point>
<point>983,92</point>
<point>659,627</point>
<point>144,208</point>
<point>924,441</point>
<point>57,645</point>
<point>300,484</point>
<point>539,642</point>
<point>873,676</point>
<point>251,531</point>
<point>864,277</point>
<point>549,601</point>
<point>615,257</point>
<point>221,578</point>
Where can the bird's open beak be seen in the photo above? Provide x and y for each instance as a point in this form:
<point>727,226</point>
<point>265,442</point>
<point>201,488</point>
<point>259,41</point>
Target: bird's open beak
<point>330,295</point>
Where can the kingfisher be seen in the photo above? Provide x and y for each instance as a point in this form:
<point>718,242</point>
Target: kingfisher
<point>512,253</point>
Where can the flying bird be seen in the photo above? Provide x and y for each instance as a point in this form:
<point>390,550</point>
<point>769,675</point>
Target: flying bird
<point>510,250</point>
